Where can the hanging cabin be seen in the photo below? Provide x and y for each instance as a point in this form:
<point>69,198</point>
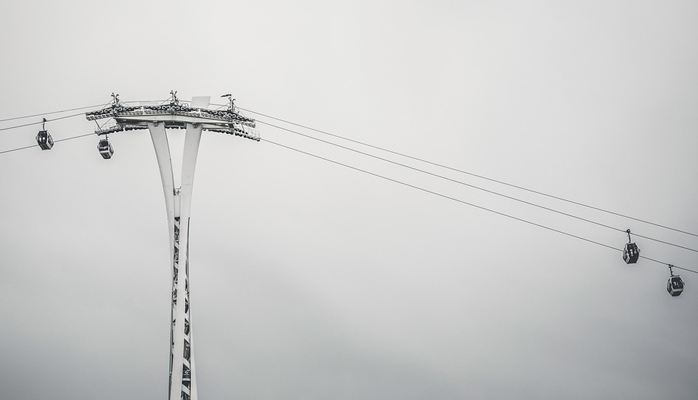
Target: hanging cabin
<point>44,140</point>
<point>105,149</point>
<point>675,285</point>
<point>631,253</point>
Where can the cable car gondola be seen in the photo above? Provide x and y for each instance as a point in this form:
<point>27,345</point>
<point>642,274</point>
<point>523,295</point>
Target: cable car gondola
<point>630,252</point>
<point>675,284</point>
<point>43,139</point>
<point>105,149</point>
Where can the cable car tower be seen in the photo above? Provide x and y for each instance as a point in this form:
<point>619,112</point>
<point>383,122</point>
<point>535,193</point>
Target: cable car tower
<point>195,118</point>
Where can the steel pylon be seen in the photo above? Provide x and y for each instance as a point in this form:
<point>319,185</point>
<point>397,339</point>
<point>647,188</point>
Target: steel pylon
<point>194,118</point>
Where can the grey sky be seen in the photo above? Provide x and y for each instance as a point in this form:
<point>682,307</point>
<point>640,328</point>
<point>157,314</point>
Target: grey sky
<point>314,281</point>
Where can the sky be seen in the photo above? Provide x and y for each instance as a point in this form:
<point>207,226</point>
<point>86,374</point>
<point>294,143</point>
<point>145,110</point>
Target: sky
<point>312,280</point>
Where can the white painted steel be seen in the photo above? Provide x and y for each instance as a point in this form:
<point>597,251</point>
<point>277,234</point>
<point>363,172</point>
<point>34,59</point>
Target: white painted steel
<point>178,205</point>
<point>162,153</point>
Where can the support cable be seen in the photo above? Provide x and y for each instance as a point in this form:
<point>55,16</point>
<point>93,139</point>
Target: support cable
<point>426,191</point>
<point>18,148</point>
<point>41,122</point>
<point>475,175</point>
<point>478,188</point>
<point>55,141</point>
<point>90,134</point>
<point>49,113</point>
<point>395,163</point>
<point>464,202</point>
<point>56,112</point>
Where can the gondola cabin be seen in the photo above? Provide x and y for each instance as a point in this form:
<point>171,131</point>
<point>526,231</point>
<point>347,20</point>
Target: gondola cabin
<point>675,285</point>
<point>44,140</point>
<point>631,253</point>
<point>105,149</point>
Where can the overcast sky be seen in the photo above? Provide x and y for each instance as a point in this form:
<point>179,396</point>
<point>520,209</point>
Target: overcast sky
<point>311,280</point>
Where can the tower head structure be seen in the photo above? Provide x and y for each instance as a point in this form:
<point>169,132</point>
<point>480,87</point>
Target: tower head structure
<point>195,117</point>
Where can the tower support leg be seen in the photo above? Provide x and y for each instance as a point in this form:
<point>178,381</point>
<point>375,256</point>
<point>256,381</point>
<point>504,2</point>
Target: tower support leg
<point>182,378</point>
